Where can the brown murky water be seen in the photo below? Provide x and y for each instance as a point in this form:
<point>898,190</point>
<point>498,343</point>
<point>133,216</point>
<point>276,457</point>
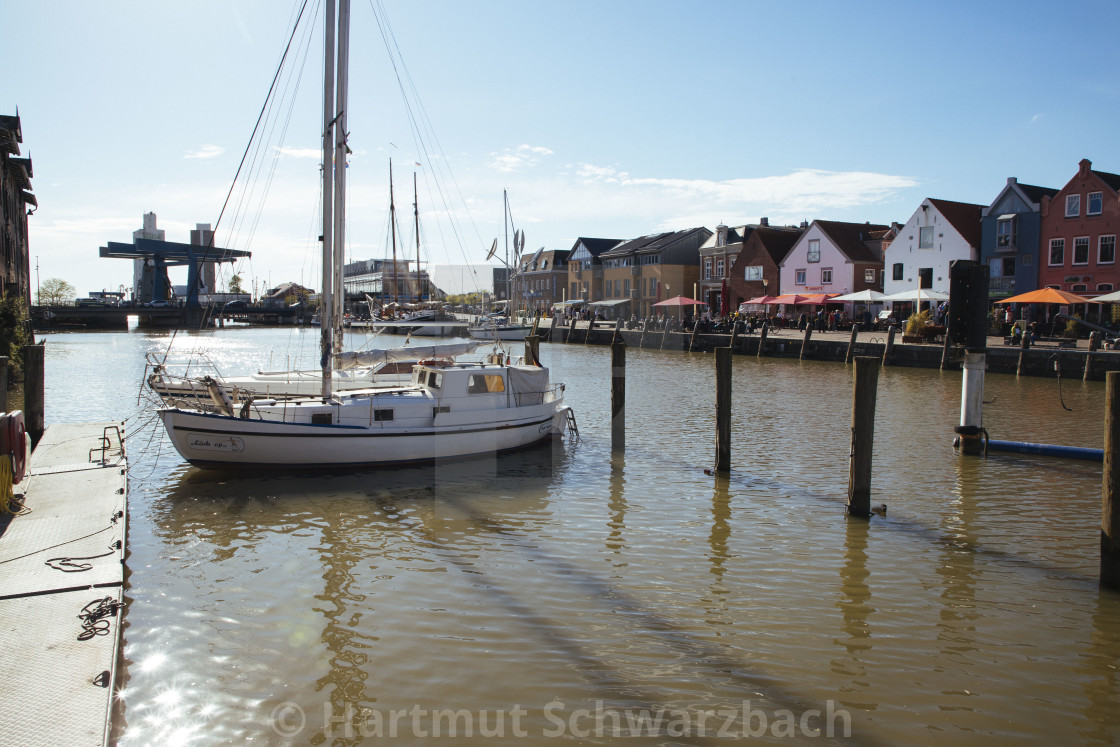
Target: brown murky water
<point>558,594</point>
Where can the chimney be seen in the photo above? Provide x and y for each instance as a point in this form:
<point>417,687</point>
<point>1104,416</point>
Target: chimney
<point>765,222</point>
<point>804,225</point>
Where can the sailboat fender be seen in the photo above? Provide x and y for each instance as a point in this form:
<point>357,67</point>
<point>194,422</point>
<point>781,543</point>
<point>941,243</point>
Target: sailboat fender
<point>13,441</point>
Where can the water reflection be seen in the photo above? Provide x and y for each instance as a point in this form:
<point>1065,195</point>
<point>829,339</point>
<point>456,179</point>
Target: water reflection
<point>854,604</point>
<point>616,543</point>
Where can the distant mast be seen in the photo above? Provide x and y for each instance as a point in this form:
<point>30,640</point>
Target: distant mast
<point>416,217</point>
<point>326,320</point>
<point>393,231</point>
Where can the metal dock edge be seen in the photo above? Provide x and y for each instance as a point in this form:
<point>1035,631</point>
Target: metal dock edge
<point>61,588</point>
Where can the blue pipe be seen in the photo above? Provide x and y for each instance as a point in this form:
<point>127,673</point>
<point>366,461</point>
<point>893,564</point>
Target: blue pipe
<point>1068,452</point>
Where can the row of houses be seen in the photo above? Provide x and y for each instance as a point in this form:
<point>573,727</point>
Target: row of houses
<point>1029,237</point>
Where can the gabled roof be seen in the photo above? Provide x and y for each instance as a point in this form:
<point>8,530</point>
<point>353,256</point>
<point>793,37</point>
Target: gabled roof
<point>1035,194</point>
<point>962,216</point>
<point>777,241</point>
<point>596,246</point>
<point>652,243</point>
<point>1112,180</point>
<point>850,238</point>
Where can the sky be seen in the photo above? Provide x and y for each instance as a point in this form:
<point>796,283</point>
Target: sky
<point>609,118</point>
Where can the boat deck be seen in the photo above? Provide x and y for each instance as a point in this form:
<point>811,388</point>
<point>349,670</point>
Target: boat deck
<point>62,565</point>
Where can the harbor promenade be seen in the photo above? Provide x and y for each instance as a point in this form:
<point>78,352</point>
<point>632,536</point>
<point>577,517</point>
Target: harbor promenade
<point>62,569</point>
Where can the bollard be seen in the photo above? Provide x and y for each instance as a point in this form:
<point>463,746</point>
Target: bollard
<point>762,339</point>
<point>33,390</point>
<point>1024,346</point>
<point>723,410</point>
<point>852,344</point>
<point>532,350</point>
<point>3,383</point>
<point>889,347</point>
<point>1110,511</point>
<point>865,378</point>
<point>805,341</point>
<point>618,396</point>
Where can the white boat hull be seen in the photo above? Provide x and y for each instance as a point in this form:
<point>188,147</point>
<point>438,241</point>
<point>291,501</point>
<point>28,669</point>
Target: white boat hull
<point>212,440</point>
<point>505,332</point>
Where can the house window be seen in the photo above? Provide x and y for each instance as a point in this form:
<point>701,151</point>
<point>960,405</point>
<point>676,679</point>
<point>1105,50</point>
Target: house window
<point>1027,260</point>
<point>826,276</point>
<point>752,272</point>
<point>1081,250</point>
<point>925,277</point>
<point>1079,287</point>
<point>814,250</point>
<point>608,286</point>
<point>1106,250</point>
<point>1096,200</point>
<point>575,289</point>
<point>707,269</point>
<point>653,286</point>
<point>799,277</point>
<point>1104,287</point>
<point>925,237</point>
<point>869,276</point>
<point>719,268</point>
<point>896,271</point>
<point>1005,232</point>
<point>1057,252</point>
<point>625,288</point>
<point>1073,206</point>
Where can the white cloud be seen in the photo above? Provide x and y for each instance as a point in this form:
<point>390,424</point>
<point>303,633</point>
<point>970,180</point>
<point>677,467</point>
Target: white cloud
<point>521,157</point>
<point>316,153</point>
<point>206,151</point>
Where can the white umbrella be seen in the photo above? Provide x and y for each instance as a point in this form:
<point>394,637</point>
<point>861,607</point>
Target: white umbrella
<point>1113,297</point>
<point>863,296</point>
<point>918,294</point>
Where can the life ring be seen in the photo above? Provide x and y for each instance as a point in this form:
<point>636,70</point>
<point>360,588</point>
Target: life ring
<point>15,443</point>
<point>435,362</point>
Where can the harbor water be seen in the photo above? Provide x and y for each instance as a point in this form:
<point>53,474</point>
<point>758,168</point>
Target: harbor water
<point>562,594</point>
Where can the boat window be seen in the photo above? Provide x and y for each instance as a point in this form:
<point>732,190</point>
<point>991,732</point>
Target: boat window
<point>435,380</point>
<point>482,384</point>
<point>382,415</point>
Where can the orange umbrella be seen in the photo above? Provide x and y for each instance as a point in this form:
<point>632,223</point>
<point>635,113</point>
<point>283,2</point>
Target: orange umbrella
<point>790,298</point>
<point>819,299</point>
<point>1048,295</point>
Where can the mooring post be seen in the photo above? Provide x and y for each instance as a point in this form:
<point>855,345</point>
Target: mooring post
<point>665,334</point>
<point>532,350</point>
<point>642,339</point>
<point>734,334</point>
<point>590,327</point>
<point>34,386</point>
<point>618,395</point>
<point>889,347</point>
<point>946,345</point>
<point>723,410</point>
<point>1024,346</point>
<point>762,339</point>
<point>572,329</point>
<point>692,337</point>
<point>1094,344</point>
<point>852,344</point>
<point>552,328</point>
<point>865,379</point>
<point>617,331</point>
<point>3,383</point>
<point>1110,511</point>
<point>805,341</point>
<point>972,402</point>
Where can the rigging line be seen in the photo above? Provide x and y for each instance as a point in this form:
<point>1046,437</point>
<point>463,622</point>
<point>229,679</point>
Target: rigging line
<point>256,127</point>
<point>419,125</point>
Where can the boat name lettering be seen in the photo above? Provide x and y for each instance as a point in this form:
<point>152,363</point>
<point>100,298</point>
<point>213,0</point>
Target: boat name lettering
<point>202,442</point>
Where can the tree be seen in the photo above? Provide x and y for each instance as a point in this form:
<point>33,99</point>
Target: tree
<point>55,292</point>
<point>235,284</point>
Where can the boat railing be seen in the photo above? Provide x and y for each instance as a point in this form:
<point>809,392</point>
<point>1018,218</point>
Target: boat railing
<point>190,383</point>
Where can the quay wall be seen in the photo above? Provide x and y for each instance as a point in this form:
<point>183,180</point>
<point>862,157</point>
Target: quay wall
<point>1040,360</point>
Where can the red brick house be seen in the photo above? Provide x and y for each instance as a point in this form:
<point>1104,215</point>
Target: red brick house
<point>1078,231</point>
<point>755,271</point>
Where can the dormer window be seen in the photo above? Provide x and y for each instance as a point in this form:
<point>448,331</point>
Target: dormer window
<point>1005,232</point>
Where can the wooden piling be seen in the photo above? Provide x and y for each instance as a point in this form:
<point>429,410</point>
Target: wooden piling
<point>642,339</point>
<point>805,341</point>
<point>692,337</point>
<point>723,410</point>
<point>34,386</point>
<point>590,327</point>
<point>571,329</point>
<point>618,396</point>
<point>1024,346</point>
<point>617,330</point>
<point>1094,344</point>
<point>665,334</point>
<point>552,328</point>
<point>734,334</point>
<point>888,349</point>
<point>3,383</point>
<point>865,381</point>
<point>762,339</point>
<point>532,350</point>
<point>1110,511</point>
<point>852,344</point>
<point>946,346</point>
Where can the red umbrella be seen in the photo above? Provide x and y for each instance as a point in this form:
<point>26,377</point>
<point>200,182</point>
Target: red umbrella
<point>792,299</point>
<point>680,301</point>
<point>724,301</point>
<point>761,300</point>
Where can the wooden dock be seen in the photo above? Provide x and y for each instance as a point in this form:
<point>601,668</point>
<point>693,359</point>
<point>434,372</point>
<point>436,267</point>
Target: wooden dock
<point>61,588</point>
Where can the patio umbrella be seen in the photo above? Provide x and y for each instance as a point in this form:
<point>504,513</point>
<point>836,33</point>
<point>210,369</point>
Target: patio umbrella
<point>760,300</point>
<point>680,301</point>
<point>1113,297</point>
<point>820,299</point>
<point>1048,295</point>
<point>788,298</point>
<point>917,294</point>
<point>863,296</point>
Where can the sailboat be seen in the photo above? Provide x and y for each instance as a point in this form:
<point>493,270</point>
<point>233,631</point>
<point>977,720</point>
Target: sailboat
<point>447,409</point>
<point>497,325</point>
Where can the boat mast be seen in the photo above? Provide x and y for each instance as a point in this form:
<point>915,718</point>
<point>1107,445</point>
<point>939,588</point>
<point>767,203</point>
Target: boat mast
<point>509,270</point>
<point>416,217</point>
<point>326,326</point>
<point>393,231</point>
<point>340,150</point>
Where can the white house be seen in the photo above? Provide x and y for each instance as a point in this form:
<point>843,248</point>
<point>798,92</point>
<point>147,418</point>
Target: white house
<point>834,257</point>
<point>938,232</point>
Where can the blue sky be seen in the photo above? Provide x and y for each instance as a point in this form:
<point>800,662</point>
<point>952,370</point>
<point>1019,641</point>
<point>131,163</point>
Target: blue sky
<point>607,119</point>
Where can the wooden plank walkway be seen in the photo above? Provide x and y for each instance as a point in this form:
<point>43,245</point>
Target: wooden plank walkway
<point>61,587</point>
